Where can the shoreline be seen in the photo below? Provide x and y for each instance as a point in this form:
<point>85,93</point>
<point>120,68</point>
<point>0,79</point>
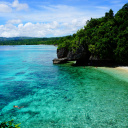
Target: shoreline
<point>120,72</point>
<point>123,68</point>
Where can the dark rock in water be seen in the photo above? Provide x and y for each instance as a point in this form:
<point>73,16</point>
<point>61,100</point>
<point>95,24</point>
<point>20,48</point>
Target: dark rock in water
<point>93,57</point>
<point>81,55</point>
<point>96,61</point>
<point>60,61</point>
<point>62,52</point>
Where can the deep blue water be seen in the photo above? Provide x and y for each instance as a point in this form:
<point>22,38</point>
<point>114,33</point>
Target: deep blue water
<point>58,96</point>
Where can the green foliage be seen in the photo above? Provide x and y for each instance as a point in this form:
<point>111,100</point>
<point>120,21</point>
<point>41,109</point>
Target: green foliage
<point>64,42</point>
<point>109,15</point>
<point>105,37</point>
<point>26,41</point>
<point>92,48</point>
<point>122,46</point>
<point>9,124</point>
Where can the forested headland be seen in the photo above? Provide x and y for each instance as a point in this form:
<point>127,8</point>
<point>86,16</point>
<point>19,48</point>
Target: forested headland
<point>104,38</point>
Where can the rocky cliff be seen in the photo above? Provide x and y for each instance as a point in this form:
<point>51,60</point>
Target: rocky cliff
<point>80,55</point>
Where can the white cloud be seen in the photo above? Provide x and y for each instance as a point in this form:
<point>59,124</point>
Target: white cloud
<point>15,21</point>
<point>102,7</point>
<point>9,34</point>
<point>50,20</point>
<point>59,13</point>
<point>40,29</point>
<point>19,6</point>
<point>116,1</point>
<point>61,8</point>
<point>54,20</point>
<point>5,8</point>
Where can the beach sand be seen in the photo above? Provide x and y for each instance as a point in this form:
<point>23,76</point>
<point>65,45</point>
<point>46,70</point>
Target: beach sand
<point>123,68</point>
<point>120,72</point>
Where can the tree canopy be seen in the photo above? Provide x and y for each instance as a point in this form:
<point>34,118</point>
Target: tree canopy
<point>106,37</point>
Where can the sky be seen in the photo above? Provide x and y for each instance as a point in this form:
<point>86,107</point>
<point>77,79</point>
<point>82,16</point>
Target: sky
<point>50,18</point>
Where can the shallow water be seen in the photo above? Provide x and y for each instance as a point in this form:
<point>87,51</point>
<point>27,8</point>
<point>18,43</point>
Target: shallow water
<point>58,96</point>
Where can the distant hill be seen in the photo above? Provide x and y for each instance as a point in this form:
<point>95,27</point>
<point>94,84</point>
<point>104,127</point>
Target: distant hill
<point>14,38</point>
<point>28,41</point>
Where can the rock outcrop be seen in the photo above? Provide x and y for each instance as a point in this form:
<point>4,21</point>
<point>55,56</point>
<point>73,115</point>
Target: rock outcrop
<point>60,61</point>
<point>80,55</point>
<point>97,61</point>
<point>62,52</point>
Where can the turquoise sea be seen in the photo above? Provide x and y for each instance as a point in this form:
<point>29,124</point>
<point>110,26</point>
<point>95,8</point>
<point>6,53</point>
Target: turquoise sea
<point>59,96</point>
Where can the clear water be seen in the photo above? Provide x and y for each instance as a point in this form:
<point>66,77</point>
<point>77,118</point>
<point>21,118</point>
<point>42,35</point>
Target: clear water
<point>58,96</point>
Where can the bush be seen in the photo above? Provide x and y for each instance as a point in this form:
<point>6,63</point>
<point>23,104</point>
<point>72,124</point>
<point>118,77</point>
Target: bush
<point>9,124</point>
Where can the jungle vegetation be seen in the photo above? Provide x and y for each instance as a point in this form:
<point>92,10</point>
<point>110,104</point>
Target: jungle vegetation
<point>9,124</point>
<point>106,37</point>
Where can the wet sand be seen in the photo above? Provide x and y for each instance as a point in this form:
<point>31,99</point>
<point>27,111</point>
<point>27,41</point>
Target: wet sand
<point>120,72</point>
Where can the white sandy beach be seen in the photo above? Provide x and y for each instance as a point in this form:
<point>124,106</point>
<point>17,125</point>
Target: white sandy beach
<point>124,68</point>
<point>120,72</point>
